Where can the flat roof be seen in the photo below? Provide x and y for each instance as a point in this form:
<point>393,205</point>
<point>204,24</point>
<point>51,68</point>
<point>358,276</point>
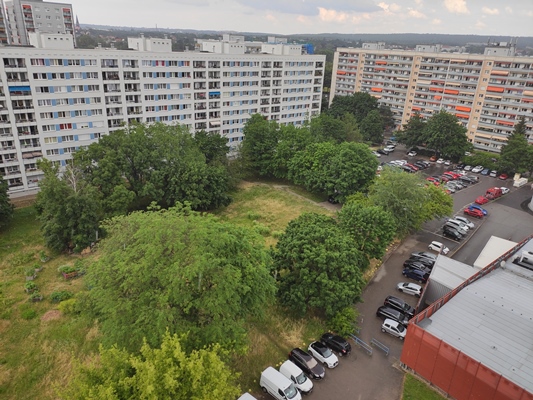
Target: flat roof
<point>494,248</point>
<point>491,321</point>
<point>451,273</point>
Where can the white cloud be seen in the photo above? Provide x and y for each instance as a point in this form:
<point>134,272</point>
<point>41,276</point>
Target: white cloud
<point>508,10</point>
<point>490,11</point>
<point>456,6</point>
<point>480,25</point>
<point>416,14</point>
<point>436,21</point>
<point>418,2</point>
<point>530,14</point>
<point>389,8</point>
<point>331,15</point>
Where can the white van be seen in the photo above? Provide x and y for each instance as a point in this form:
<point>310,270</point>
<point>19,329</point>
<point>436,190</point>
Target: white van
<point>247,396</point>
<point>278,386</point>
<point>296,375</point>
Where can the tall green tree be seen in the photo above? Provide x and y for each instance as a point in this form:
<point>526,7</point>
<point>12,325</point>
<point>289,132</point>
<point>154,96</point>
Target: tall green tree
<point>372,127</point>
<point>325,128</point>
<point>408,199</point>
<point>163,373</point>
<point>318,266</point>
<point>514,154</point>
<point>6,207</point>
<point>213,146</point>
<point>68,208</point>
<point>351,128</point>
<point>292,139</point>
<point>371,227</point>
<point>179,270</point>
<point>444,134</point>
<point>259,145</point>
<point>386,115</point>
<point>359,105</point>
<point>413,132</point>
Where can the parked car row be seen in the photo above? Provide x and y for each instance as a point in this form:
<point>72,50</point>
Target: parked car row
<point>456,229</point>
<point>396,314</point>
<point>412,167</point>
<point>491,194</point>
<point>295,375</point>
<point>480,169</point>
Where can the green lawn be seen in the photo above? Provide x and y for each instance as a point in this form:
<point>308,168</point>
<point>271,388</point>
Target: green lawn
<point>414,389</point>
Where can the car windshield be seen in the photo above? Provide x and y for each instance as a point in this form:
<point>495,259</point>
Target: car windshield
<point>301,378</point>
<point>401,328</point>
<point>326,352</point>
<point>290,392</point>
<point>311,363</point>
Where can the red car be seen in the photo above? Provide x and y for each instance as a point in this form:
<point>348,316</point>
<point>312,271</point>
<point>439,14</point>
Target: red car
<point>413,167</point>
<point>504,177</point>
<point>482,200</point>
<point>433,180</point>
<point>452,174</point>
<point>445,178</point>
<point>473,212</point>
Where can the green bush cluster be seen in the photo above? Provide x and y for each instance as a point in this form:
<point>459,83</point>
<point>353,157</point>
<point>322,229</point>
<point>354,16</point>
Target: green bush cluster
<point>60,295</point>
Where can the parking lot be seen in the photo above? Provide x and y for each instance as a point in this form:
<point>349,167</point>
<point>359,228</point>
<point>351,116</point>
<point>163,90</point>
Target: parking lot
<point>377,377</point>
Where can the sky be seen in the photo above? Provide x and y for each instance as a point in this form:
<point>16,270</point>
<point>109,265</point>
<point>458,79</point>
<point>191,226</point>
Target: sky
<point>481,17</point>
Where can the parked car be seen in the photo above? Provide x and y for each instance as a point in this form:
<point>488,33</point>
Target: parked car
<point>378,155</point>
<point>433,180</point>
<point>440,160</point>
<point>426,163</point>
<point>465,221</point>
<point>278,386</point>
<point>421,264</point>
<point>458,223</point>
<point>473,212</point>
<point>389,312</point>
<point>477,169</point>
<point>433,158</point>
<point>307,363</point>
<point>424,254</point>
<point>493,174</point>
<point>473,177</point>
<point>467,180</point>
<point>454,175</point>
<point>296,375</point>
<point>383,151</point>
<point>420,165</point>
<point>438,247</point>
<point>460,166</point>
<point>493,193</point>
<point>323,354</point>
<point>476,207</point>
<point>415,274</point>
<point>336,343</point>
<point>445,178</point>
<point>400,305</point>
<point>428,262</point>
<point>436,177</point>
<point>481,200</point>
<point>452,234</point>
<point>411,153</point>
<point>394,328</point>
<point>409,288</point>
<point>503,177</point>
<point>468,168</point>
<point>505,190</point>
<point>447,162</point>
<point>449,225</point>
<point>485,171</point>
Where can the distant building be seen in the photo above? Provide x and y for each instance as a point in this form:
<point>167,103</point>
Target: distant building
<point>475,339</point>
<point>29,16</point>
<point>488,93</point>
<point>55,99</point>
<point>4,35</point>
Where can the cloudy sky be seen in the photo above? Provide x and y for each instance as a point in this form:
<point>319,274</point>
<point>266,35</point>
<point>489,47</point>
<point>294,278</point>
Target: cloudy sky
<point>488,17</point>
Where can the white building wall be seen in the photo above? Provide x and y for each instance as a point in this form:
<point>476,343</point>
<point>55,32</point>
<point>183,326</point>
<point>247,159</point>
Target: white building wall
<point>56,101</point>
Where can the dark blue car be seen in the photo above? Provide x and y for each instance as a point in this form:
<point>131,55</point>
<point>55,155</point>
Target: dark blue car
<point>416,274</point>
<point>474,206</point>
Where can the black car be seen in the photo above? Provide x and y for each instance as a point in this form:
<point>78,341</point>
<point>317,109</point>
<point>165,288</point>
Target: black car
<point>424,254</point>
<point>416,274</point>
<point>421,165</point>
<point>389,312</point>
<point>415,265</point>
<point>486,171</point>
<point>427,263</point>
<point>460,166</point>
<point>427,164</point>
<point>336,343</point>
<point>452,234</point>
<point>307,363</point>
<point>400,305</point>
<point>467,179</point>
<point>383,151</point>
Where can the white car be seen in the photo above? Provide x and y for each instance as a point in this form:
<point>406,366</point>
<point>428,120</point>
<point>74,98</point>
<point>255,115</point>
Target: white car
<point>447,162</point>
<point>468,168</point>
<point>401,162</point>
<point>465,221</point>
<point>477,169</point>
<point>376,154</point>
<point>440,160</point>
<point>438,247</point>
<point>409,288</point>
<point>411,153</point>
<point>323,354</point>
<point>505,190</point>
<point>394,328</point>
<point>493,174</point>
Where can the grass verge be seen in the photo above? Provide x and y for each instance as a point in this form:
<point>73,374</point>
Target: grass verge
<point>414,389</point>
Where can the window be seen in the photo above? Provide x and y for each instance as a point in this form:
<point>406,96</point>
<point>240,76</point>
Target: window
<point>76,75</point>
<point>80,113</point>
<point>65,126</point>
<point>47,115</point>
<point>40,76</point>
<point>92,75</point>
<point>74,62</point>
<point>68,138</point>
<point>50,140</point>
<point>78,101</point>
<point>49,128</point>
<point>62,102</point>
<point>52,152</point>
<point>43,103</point>
<point>90,62</point>
<point>69,150</point>
<point>62,114</point>
<point>42,89</point>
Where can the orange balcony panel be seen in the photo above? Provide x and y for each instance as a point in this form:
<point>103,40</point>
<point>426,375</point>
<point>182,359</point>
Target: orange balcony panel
<point>341,72</point>
<point>451,91</point>
<point>379,69</point>
<point>528,93</point>
<point>381,62</point>
<point>435,89</point>
<point>495,89</point>
<point>416,109</point>
<point>460,108</point>
<point>527,100</point>
<point>437,97</point>
<point>463,116</point>
<point>500,73</point>
<point>375,89</point>
<point>506,123</point>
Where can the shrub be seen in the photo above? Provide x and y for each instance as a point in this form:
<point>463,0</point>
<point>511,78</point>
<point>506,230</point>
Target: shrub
<point>60,295</point>
<point>276,234</point>
<point>66,269</point>
<point>69,306</point>
<point>28,314</point>
<point>79,266</point>
<point>344,321</point>
<point>30,271</point>
<point>253,215</point>
<point>30,287</point>
<point>263,230</point>
<point>22,258</point>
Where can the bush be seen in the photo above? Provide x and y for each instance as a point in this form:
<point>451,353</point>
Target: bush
<point>30,271</point>
<point>276,234</point>
<point>60,295</point>
<point>253,215</point>
<point>28,314</point>
<point>30,287</point>
<point>66,269</point>
<point>69,306</point>
<point>263,230</point>
<point>343,322</point>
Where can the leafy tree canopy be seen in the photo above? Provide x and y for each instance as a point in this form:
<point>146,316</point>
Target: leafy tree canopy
<point>485,158</point>
<point>291,140</point>
<point>514,154</point>
<point>446,136</point>
<point>386,115</point>
<point>372,127</point>
<point>6,208</point>
<point>164,373</point>
<point>178,270</point>
<point>213,146</point>
<point>371,227</point>
<point>413,132</point>
<point>359,105</point>
<point>325,128</point>
<point>259,145</point>
<point>67,207</point>
<point>318,266</point>
<point>408,199</point>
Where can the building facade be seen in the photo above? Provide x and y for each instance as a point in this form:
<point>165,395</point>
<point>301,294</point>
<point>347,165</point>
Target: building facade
<point>27,16</point>
<point>488,93</point>
<point>55,100</point>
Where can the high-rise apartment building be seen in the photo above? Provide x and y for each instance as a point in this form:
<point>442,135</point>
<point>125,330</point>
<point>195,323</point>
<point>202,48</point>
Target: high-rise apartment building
<point>27,16</point>
<point>4,36</point>
<point>487,92</point>
<point>55,99</point>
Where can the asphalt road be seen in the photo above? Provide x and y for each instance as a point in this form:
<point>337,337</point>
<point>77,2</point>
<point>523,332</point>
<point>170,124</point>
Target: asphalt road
<point>377,377</point>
